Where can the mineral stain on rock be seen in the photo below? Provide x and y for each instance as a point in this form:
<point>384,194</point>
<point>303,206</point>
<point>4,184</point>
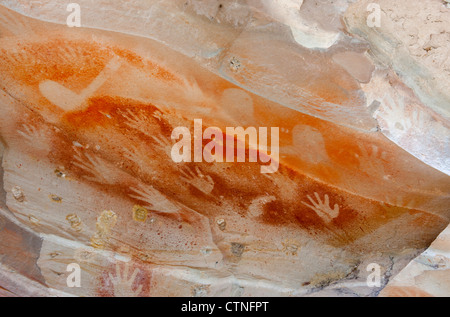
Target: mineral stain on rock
<point>237,249</point>
<point>101,107</point>
<point>105,223</point>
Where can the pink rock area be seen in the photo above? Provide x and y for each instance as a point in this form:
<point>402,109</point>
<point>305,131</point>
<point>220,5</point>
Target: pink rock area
<point>359,162</point>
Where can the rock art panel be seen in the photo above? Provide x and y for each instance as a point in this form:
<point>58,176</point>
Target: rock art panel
<point>88,127</point>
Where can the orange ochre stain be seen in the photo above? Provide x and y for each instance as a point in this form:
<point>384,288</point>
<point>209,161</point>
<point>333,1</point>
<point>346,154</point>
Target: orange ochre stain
<point>75,63</point>
<point>70,62</point>
<point>249,187</point>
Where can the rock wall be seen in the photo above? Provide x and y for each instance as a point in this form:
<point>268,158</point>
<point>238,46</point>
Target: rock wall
<point>358,147</point>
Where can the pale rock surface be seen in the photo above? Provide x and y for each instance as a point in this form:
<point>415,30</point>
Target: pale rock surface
<point>427,275</point>
<point>412,40</point>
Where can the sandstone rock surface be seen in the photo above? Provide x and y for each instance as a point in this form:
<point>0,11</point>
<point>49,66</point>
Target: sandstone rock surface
<point>88,176</point>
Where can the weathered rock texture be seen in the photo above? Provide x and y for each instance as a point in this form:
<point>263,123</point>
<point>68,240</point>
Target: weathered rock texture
<point>86,116</point>
<point>427,275</point>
